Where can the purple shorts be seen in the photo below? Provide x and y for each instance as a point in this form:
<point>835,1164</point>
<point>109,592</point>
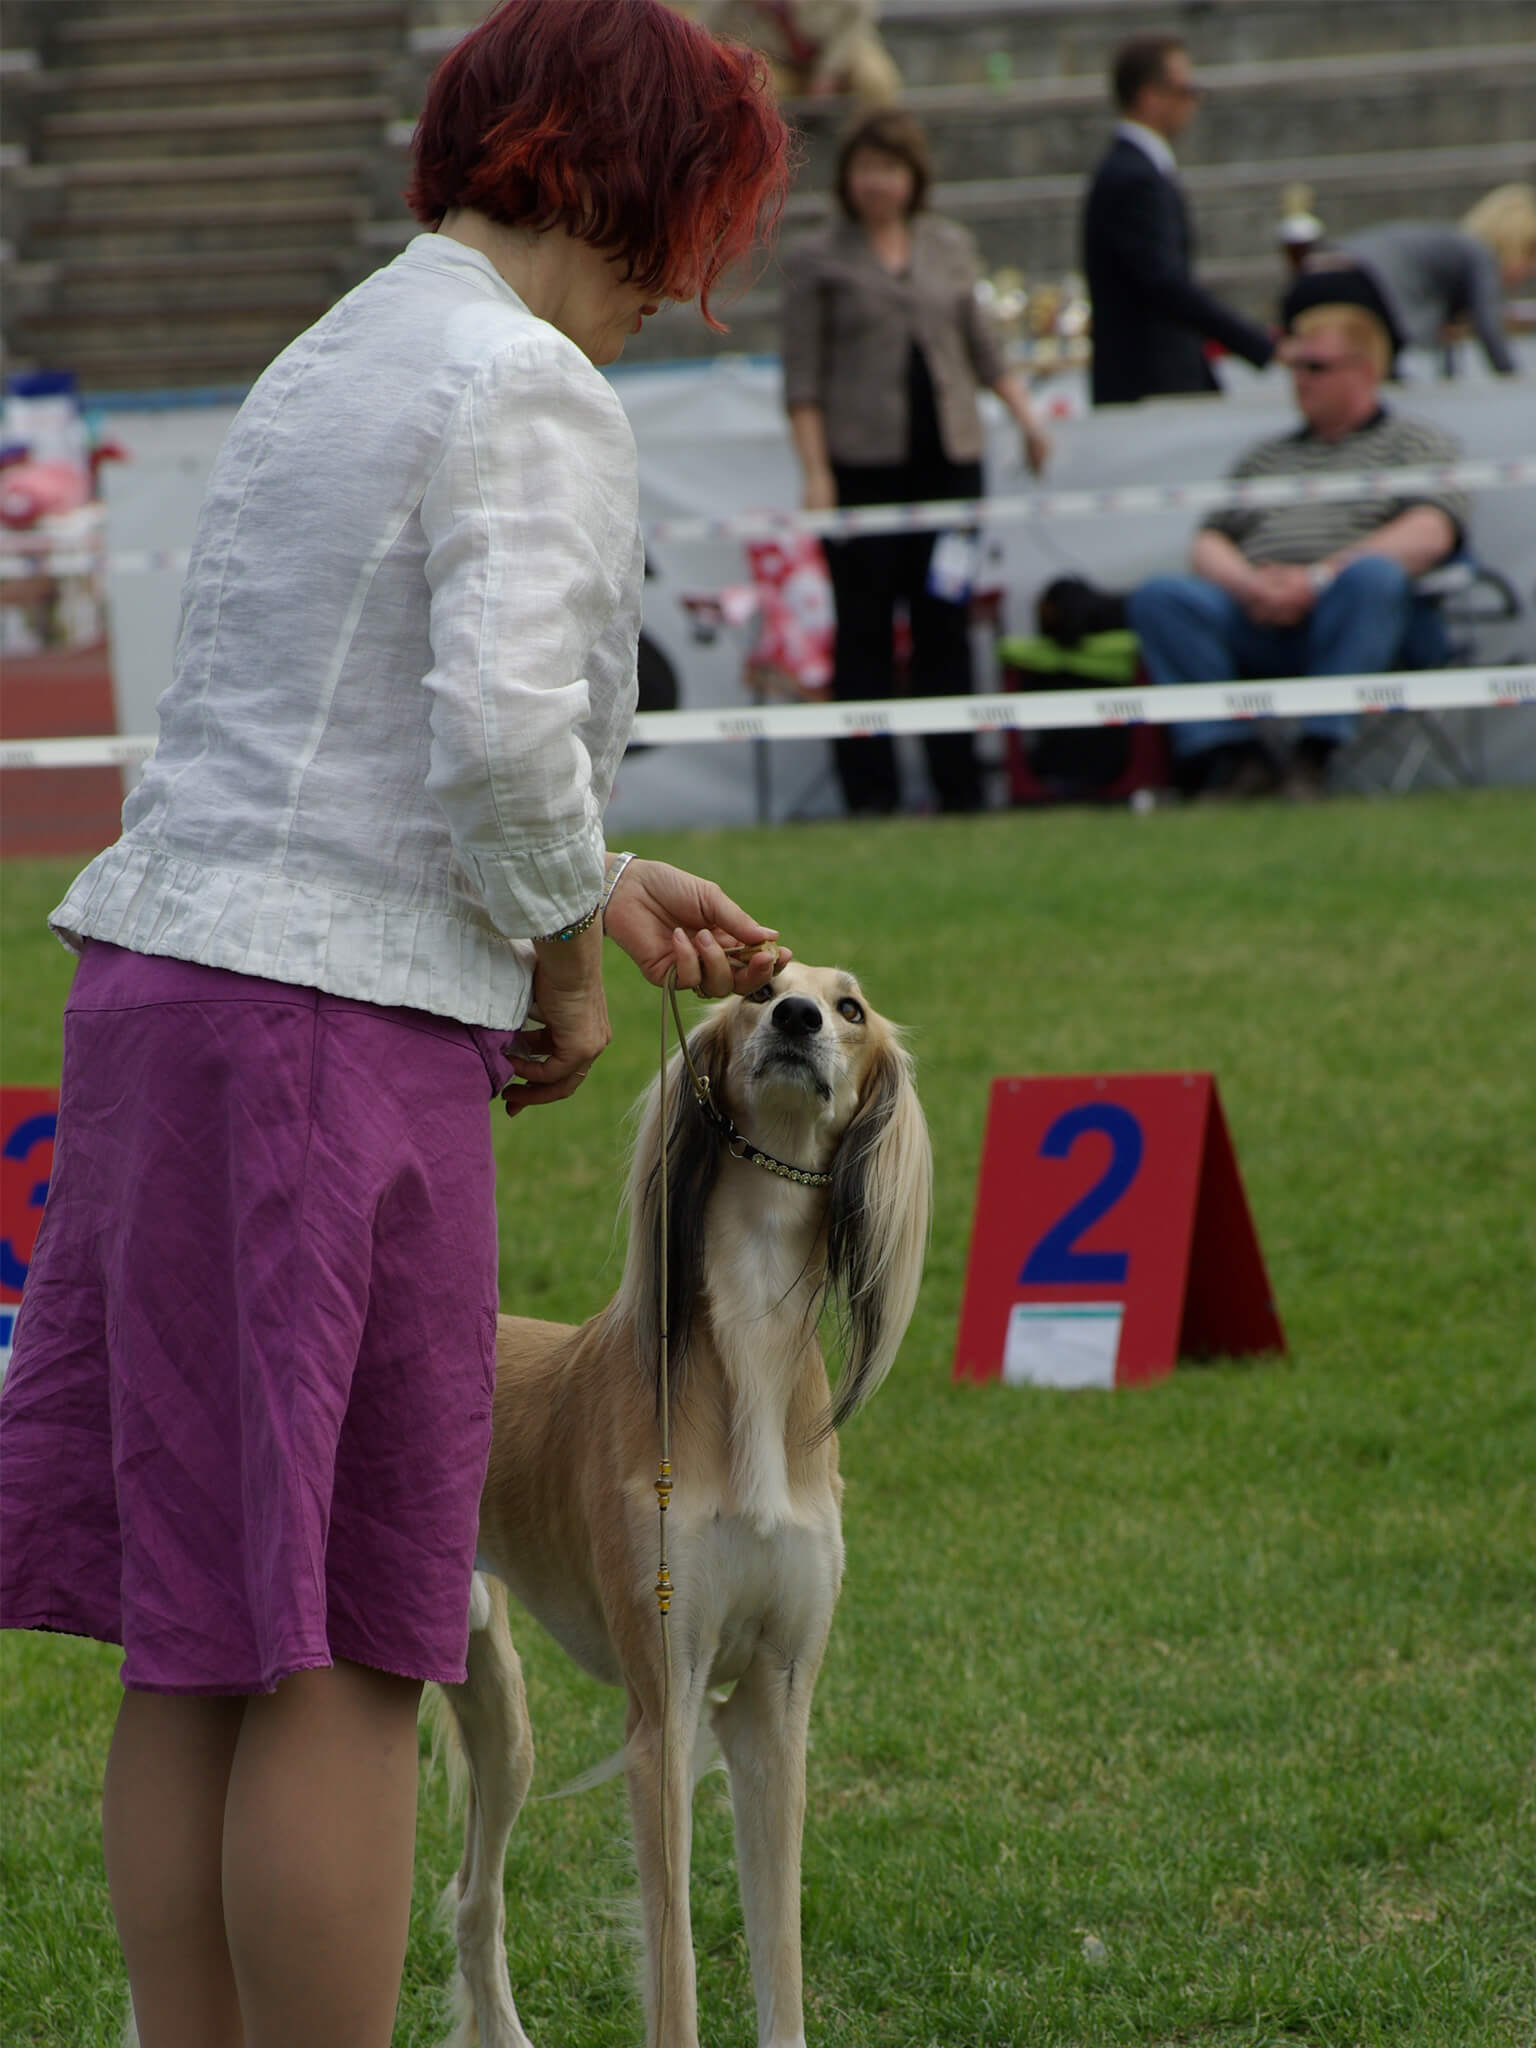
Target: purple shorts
<point>248,1412</point>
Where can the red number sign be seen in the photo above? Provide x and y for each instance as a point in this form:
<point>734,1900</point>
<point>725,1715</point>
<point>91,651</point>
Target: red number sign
<point>1112,1235</point>
<point>28,1120</point>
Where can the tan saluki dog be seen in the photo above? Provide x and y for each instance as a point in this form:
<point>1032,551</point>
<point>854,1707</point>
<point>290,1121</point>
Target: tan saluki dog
<point>803,1178</point>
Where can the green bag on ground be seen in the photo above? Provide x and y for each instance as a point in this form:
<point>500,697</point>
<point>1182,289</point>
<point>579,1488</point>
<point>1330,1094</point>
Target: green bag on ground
<point>1074,761</point>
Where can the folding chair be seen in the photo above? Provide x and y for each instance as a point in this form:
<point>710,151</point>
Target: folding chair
<point>1457,600</point>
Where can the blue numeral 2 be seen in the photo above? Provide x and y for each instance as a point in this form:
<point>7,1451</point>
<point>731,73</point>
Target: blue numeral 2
<point>1055,1260</point>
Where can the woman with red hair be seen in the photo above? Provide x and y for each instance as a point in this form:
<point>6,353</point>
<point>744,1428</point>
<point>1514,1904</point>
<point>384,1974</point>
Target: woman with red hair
<point>248,1412</point>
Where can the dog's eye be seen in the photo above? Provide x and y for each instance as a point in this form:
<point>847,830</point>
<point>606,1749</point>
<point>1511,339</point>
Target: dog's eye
<point>853,1011</point>
<point>760,995</point>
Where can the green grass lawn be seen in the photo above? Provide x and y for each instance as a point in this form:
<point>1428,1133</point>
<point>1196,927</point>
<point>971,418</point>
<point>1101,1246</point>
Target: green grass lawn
<point>1201,1714</point>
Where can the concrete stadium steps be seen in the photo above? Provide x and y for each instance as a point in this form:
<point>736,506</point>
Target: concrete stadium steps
<point>189,358</point>
<point>151,30</point>
<point>191,285</point>
<point>57,199</point>
<point>149,230</point>
<point>255,328</point>
<point>300,75</point>
<point>1032,224</point>
<point>196,129</point>
<point>956,42</point>
<point>195,177</point>
<point>186,164</point>
<point>973,42</point>
<point>1415,99</point>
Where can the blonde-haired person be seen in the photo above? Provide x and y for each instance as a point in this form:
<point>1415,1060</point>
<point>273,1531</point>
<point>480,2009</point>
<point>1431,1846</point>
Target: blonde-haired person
<point>1319,587</point>
<point>1434,276</point>
<point>885,347</point>
<point>1505,220</point>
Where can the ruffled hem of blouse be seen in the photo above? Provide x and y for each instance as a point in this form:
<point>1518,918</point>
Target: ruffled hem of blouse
<point>435,956</point>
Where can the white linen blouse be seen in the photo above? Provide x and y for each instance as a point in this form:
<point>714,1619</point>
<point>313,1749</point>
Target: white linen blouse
<point>405,671</point>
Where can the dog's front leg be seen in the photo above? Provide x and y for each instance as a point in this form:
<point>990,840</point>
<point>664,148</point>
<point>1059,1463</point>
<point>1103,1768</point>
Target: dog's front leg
<point>762,1730</point>
<point>661,1805</point>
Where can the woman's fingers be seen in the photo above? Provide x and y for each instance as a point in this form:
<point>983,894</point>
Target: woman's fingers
<point>521,1095</point>
<point>721,969</point>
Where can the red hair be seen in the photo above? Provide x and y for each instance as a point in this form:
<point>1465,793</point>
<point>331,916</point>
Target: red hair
<point>615,119</point>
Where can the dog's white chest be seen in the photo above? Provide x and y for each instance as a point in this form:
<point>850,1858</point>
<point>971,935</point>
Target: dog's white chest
<point>737,1586</point>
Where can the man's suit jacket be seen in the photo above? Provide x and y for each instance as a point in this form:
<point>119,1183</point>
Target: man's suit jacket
<point>1149,315</point>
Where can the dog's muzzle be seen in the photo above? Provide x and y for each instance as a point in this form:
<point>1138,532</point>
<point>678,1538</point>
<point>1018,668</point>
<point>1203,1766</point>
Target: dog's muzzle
<point>791,1041</point>
<point>795,1016</point>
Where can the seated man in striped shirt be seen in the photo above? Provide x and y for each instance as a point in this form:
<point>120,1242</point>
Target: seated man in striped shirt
<point>1311,588</point>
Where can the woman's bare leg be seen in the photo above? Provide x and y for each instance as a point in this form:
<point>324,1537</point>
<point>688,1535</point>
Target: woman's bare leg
<point>259,1855</point>
<point>319,1842</point>
<point>162,1828</point>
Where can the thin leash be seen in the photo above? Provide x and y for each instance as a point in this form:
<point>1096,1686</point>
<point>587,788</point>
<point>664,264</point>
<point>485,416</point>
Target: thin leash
<point>664,1501</point>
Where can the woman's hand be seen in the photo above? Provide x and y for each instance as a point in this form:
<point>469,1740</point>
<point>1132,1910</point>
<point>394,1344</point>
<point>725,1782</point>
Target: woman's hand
<point>568,1022</point>
<point>1037,446</point>
<point>664,917</point>
<point>1014,392</point>
<point>820,493</point>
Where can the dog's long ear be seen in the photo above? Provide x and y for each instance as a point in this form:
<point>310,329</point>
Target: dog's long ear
<point>877,1226</point>
<point>694,1151</point>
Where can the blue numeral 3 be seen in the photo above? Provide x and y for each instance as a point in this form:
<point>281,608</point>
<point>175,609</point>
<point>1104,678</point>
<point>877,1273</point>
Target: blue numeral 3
<point>37,1130</point>
<point>1055,1260</point>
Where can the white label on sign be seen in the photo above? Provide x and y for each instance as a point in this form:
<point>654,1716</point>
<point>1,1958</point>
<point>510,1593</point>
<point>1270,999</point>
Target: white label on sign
<point>1062,1344</point>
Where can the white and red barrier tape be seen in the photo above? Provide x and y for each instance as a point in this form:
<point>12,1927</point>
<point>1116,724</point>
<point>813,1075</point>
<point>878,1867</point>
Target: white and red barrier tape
<point>1029,711</point>
<point>1045,506</point>
<point>1512,473</point>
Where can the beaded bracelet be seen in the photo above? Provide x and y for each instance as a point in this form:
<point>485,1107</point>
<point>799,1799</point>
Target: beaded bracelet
<point>620,862</point>
<point>572,931</point>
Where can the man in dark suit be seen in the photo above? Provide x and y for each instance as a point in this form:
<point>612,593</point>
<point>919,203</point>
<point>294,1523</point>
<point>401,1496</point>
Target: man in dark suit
<point>1150,317</point>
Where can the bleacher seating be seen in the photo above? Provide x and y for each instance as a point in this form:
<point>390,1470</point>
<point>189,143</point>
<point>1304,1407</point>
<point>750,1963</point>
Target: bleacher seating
<point>189,182</point>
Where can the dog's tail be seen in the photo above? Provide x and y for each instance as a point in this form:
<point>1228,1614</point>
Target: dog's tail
<point>445,1750</point>
<point>487,1615</point>
<point>706,1757</point>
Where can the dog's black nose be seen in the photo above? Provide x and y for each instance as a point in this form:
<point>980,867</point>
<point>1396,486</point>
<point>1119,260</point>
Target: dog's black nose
<point>797,1015</point>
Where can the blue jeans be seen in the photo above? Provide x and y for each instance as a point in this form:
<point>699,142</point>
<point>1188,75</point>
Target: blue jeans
<point>1367,621</point>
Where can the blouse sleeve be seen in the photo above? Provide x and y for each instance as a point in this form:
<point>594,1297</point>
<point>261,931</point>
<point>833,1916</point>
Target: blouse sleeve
<point>802,345</point>
<point>532,536</point>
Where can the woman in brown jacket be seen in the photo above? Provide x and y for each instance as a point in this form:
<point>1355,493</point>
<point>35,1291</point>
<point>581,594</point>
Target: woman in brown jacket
<point>885,346</point>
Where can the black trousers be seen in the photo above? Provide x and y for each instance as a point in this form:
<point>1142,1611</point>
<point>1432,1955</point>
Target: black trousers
<point>871,578</point>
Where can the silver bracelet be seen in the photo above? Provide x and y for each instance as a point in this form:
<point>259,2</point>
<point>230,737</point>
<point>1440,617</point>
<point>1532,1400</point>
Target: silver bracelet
<point>620,862</point>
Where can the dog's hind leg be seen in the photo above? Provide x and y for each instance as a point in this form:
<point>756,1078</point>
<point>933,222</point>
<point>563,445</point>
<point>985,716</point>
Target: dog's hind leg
<point>490,1714</point>
<point>762,1730</point>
